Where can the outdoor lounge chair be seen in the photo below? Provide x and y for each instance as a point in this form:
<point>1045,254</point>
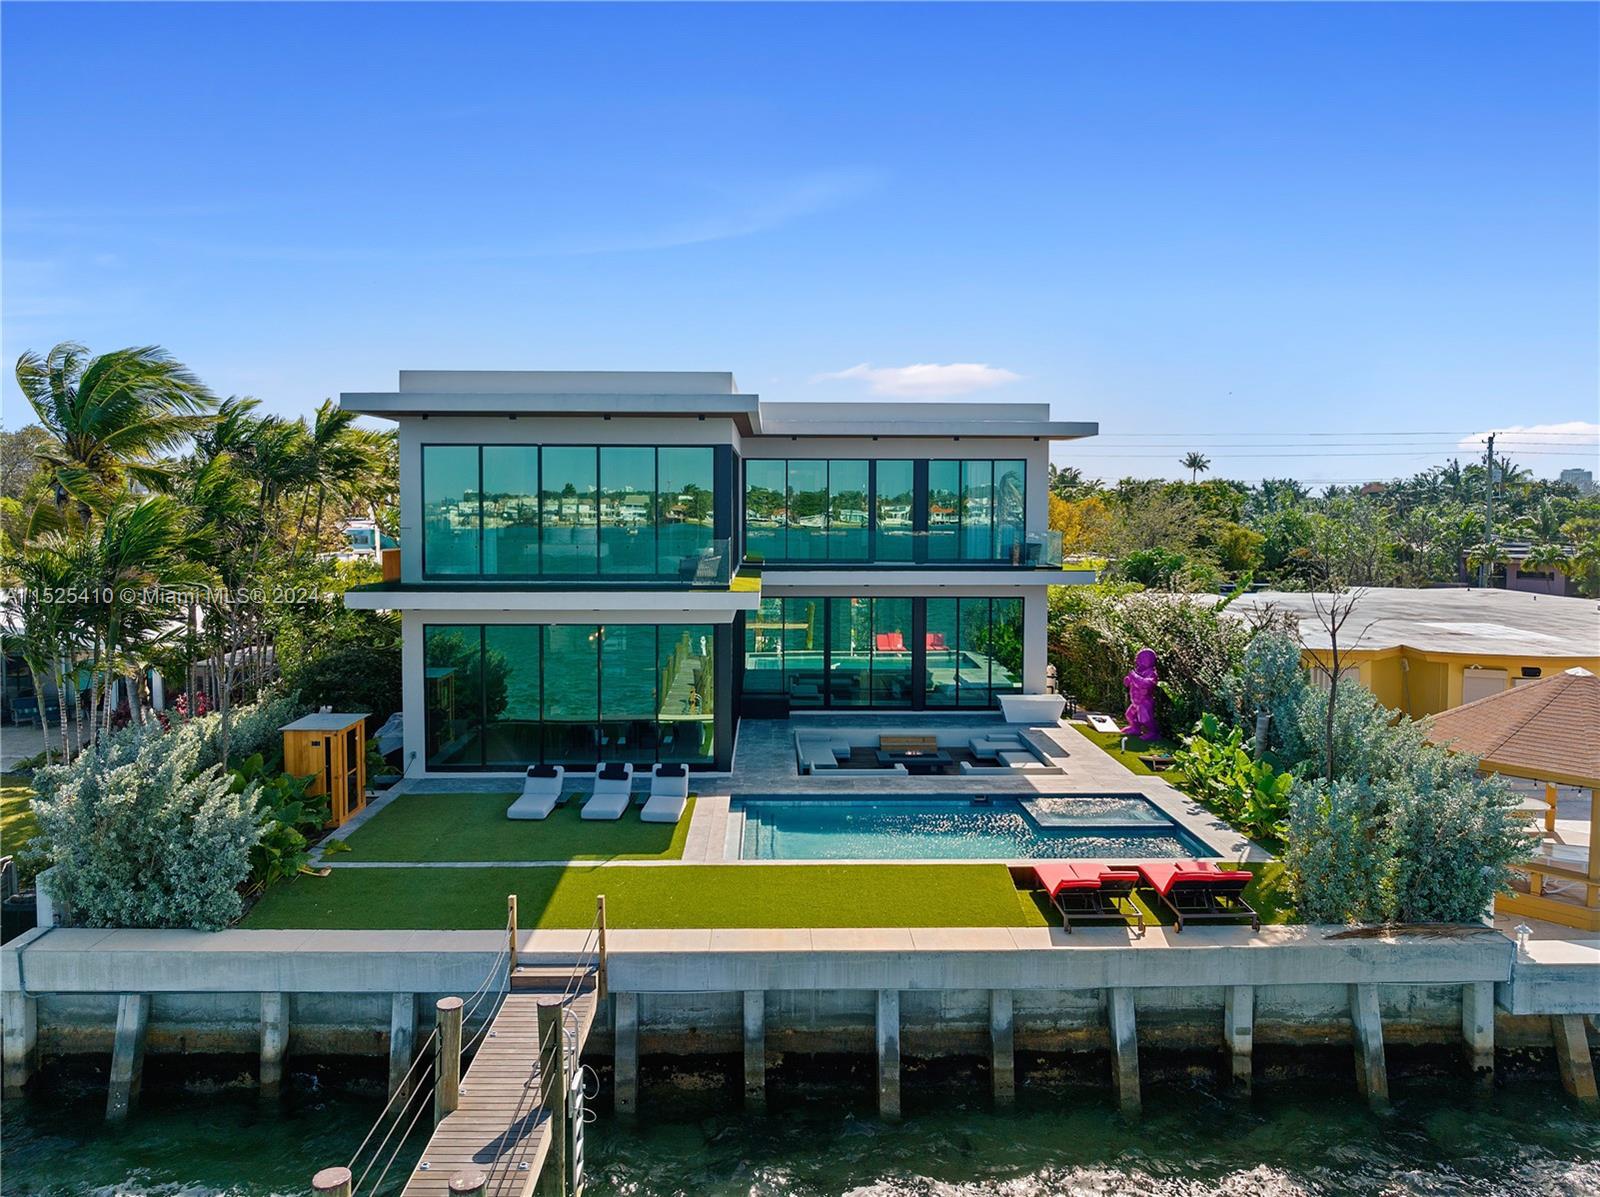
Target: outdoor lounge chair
<point>1090,892</point>
<point>541,793</point>
<point>891,642</point>
<point>669,794</point>
<point>1198,891</point>
<point>935,642</point>
<point>613,790</point>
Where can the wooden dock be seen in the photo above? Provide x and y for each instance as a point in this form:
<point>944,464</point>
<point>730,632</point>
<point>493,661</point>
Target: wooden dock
<point>502,1125</point>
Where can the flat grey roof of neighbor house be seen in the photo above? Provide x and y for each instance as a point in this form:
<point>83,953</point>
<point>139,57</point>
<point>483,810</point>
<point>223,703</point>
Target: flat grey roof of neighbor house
<point>695,393</point>
<point>1482,622</point>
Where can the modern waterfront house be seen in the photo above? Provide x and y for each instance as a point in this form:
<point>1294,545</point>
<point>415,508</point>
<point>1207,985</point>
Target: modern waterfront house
<point>618,566</point>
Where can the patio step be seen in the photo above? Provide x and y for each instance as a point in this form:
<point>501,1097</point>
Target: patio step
<point>547,978</point>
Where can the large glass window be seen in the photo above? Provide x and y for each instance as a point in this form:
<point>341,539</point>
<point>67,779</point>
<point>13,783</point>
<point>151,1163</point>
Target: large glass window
<point>891,652</point>
<point>504,696</point>
<point>685,507</point>
<point>860,652</point>
<point>687,682</point>
<point>451,519</point>
<point>764,510</point>
<point>944,510</point>
<point>567,489</point>
<point>510,510</point>
<point>849,652</point>
<point>896,501</point>
<point>628,509</point>
<point>511,694</point>
<point>1010,510</point>
<point>847,510</point>
<point>808,511</point>
<point>452,663</point>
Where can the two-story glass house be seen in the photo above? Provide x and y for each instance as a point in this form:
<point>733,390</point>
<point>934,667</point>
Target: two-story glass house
<point>619,566</point>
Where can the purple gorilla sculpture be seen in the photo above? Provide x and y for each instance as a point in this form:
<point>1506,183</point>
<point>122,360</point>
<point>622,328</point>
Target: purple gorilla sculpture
<point>1141,712</point>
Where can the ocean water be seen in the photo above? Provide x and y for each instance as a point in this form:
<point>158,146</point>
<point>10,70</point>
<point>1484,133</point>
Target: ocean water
<point>1528,1140</point>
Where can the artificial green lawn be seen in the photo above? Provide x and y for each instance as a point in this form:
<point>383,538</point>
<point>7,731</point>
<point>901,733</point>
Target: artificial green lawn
<point>429,827</point>
<point>17,822</point>
<point>694,896</point>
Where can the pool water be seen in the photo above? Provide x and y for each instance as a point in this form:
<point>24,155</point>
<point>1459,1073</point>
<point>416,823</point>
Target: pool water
<point>959,828</point>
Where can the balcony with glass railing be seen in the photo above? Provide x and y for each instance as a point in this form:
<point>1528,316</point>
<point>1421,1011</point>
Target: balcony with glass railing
<point>901,548</point>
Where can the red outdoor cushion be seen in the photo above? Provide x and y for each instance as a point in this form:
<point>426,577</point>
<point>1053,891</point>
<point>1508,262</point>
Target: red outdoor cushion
<point>1076,874</point>
<point>1163,875</point>
<point>936,642</point>
<point>891,642</point>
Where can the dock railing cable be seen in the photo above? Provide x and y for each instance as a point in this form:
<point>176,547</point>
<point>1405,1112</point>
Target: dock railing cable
<point>417,1088</point>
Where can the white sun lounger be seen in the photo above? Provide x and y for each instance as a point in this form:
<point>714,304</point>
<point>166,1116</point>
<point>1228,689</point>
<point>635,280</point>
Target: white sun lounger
<point>611,794</point>
<point>541,793</point>
<point>669,794</point>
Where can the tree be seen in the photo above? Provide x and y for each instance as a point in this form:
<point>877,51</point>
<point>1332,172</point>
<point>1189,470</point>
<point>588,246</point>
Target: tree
<point>108,419</point>
<point>1196,463</point>
<point>19,466</point>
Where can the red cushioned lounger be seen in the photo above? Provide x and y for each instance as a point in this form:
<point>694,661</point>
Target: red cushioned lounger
<point>1197,891</point>
<point>1090,892</point>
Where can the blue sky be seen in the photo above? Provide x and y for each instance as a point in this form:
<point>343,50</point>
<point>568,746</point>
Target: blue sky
<point>1204,226</point>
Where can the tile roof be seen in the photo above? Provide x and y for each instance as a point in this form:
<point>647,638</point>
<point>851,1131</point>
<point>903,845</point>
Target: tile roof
<point>1551,726</point>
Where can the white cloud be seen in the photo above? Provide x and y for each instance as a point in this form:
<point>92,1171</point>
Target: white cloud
<point>925,380</point>
<point>1580,436</point>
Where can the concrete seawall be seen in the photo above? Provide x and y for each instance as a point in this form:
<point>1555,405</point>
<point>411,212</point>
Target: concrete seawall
<point>890,995</point>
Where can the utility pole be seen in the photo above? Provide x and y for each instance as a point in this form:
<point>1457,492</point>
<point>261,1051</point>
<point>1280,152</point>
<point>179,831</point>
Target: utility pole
<point>1487,563</point>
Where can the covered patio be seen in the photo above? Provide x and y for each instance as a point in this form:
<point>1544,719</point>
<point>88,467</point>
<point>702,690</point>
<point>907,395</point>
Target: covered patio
<point>1547,733</point>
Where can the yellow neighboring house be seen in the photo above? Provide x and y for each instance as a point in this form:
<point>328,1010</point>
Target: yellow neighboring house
<point>1426,651</point>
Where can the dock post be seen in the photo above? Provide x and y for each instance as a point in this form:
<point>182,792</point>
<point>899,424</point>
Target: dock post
<point>1573,1058</point>
<point>447,1086</point>
<point>469,1182</point>
<point>1124,1049</point>
<point>889,1054</point>
<point>21,1041</point>
<point>331,1182</point>
<point>1477,1030</point>
<point>602,981</point>
<point>1372,1072</point>
<point>511,934</point>
<point>625,1065</point>
<point>755,1048</point>
<point>127,1056</point>
<point>1239,1032</point>
<point>402,1040</point>
<point>1002,1047</point>
<point>274,1042</point>
<point>553,1081</point>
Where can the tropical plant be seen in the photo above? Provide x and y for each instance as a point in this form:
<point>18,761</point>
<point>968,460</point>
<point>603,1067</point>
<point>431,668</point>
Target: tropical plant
<point>109,419</point>
<point>1335,855</point>
<point>1196,463</point>
<point>1217,767</point>
<point>289,817</point>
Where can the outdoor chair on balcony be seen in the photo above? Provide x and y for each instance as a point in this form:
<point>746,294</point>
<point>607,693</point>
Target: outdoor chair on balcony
<point>541,793</point>
<point>613,790</point>
<point>1090,892</point>
<point>669,794</point>
<point>891,642</point>
<point>1197,891</point>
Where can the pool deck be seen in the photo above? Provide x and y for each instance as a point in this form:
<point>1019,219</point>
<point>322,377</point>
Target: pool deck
<point>765,764</point>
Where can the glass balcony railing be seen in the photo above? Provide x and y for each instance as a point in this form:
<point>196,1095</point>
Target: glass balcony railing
<point>893,548</point>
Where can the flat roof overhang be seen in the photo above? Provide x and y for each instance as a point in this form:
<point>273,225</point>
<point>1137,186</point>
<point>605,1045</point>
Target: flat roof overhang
<point>741,409</point>
<point>715,604</point>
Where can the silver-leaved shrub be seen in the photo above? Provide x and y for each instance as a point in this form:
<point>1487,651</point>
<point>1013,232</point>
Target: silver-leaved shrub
<point>145,834</point>
<point>1335,853</point>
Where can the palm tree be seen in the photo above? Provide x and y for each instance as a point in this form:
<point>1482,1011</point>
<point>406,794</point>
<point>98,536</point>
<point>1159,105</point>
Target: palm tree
<point>340,461</point>
<point>1196,463</point>
<point>108,419</point>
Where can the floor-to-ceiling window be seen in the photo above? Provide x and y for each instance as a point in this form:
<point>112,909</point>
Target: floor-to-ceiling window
<point>560,511</point>
<point>503,696</point>
<point>974,651</point>
<point>895,498</point>
<point>850,651</point>
<point>451,518</point>
<point>511,510</point>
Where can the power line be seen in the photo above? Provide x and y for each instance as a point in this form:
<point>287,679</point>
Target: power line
<point>1112,452</point>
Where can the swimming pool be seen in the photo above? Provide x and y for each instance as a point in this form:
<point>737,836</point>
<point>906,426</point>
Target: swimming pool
<point>1096,827</point>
